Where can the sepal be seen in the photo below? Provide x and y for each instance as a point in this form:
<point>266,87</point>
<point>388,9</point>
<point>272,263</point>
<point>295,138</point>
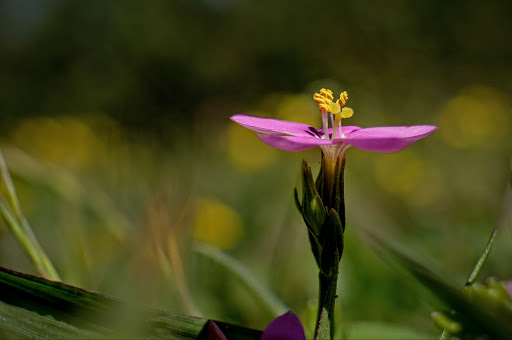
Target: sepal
<point>332,244</point>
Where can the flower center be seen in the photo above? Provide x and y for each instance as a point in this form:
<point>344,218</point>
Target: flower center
<point>331,109</point>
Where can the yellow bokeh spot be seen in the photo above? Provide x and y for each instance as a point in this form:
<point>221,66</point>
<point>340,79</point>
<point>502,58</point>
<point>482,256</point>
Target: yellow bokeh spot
<point>297,108</point>
<point>399,173</point>
<point>477,116</point>
<point>217,223</point>
<point>246,151</point>
<point>406,175</point>
<point>65,140</point>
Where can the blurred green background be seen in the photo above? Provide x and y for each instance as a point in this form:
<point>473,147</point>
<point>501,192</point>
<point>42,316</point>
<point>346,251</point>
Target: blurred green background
<point>114,120</point>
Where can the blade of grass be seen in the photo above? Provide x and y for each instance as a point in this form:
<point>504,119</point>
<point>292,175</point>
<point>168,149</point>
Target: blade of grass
<point>20,227</point>
<point>67,186</point>
<point>246,277</point>
<point>33,307</point>
<point>472,313</point>
<point>21,236</point>
<point>481,260</point>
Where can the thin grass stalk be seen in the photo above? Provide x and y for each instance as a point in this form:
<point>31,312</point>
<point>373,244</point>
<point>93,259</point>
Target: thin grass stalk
<point>20,227</point>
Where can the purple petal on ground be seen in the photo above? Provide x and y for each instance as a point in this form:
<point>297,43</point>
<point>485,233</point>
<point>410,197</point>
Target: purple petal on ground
<point>214,332</point>
<point>293,143</point>
<point>285,327</point>
<point>274,126</point>
<point>387,138</point>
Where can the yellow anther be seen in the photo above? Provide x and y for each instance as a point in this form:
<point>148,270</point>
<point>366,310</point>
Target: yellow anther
<point>346,112</point>
<point>323,99</point>
<point>334,108</point>
<point>343,98</point>
<point>327,94</point>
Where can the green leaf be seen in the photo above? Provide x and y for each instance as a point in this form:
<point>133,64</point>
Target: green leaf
<point>33,307</point>
<point>477,315</point>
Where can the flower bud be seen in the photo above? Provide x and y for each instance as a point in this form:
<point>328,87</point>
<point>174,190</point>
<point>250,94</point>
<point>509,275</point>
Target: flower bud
<point>313,209</point>
<point>493,297</point>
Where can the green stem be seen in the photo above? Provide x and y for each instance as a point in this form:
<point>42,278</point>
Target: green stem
<point>20,227</point>
<point>326,301</point>
<point>328,243</point>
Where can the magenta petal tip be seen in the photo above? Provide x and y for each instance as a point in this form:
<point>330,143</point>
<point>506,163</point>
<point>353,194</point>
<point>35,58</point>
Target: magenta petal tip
<point>284,327</point>
<point>273,126</point>
<point>214,332</point>
<point>388,138</point>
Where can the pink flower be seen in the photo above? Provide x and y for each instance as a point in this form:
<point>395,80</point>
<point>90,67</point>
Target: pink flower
<point>291,136</point>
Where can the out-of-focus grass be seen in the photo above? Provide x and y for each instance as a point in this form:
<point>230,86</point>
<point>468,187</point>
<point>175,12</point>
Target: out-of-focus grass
<point>118,213</point>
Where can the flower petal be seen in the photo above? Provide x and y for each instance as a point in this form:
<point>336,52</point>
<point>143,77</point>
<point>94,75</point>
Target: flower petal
<point>214,332</point>
<point>284,327</point>
<point>386,138</point>
<point>293,143</point>
<point>274,126</point>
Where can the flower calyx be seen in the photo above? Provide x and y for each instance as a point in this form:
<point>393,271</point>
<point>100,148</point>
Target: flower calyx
<point>323,212</point>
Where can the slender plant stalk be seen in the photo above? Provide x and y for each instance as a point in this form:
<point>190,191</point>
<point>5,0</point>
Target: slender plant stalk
<point>474,274</point>
<point>246,277</point>
<point>20,227</point>
<point>327,300</point>
<point>481,260</point>
<point>176,263</point>
<point>323,210</point>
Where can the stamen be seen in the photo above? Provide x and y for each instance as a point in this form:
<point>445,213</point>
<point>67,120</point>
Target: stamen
<point>343,98</point>
<point>324,101</point>
<point>332,124</point>
<point>325,125</point>
<point>346,112</point>
<point>326,93</point>
<point>334,108</point>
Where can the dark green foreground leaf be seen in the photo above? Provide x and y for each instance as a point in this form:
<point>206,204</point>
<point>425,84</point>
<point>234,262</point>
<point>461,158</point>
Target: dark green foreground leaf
<point>33,307</point>
<point>479,316</point>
